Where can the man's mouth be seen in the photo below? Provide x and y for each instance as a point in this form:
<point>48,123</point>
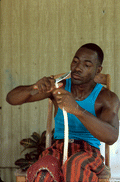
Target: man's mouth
<point>76,76</point>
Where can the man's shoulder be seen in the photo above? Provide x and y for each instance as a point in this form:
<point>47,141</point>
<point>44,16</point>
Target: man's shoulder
<point>108,97</point>
<point>108,94</point>
<point>107,101</point>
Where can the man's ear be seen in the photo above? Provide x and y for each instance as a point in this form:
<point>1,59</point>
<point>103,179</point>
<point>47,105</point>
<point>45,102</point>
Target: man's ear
<point>99,69</point>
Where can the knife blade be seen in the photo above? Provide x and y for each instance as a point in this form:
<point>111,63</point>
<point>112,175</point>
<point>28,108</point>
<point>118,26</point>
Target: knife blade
<point>57,80</point>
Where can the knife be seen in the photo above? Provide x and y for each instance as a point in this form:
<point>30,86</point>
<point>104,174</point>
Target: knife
<point>57,80</point>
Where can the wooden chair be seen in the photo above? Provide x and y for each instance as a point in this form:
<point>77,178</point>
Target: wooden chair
<point>105,175</point>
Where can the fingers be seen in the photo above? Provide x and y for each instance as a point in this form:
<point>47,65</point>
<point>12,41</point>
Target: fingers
<point>46,84</point>
<point>59,91</point>
<point>52,76</point>
<point>59,98</point>
<point>60,94</point>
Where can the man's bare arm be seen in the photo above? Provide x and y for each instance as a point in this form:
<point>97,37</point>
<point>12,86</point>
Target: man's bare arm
<point>31,93</point>
<point>105,127</point>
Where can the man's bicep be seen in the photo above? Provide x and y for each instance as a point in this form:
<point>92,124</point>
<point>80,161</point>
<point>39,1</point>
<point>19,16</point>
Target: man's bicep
<point>109,113</point>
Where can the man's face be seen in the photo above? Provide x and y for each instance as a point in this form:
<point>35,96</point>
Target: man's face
<point>84,66</point>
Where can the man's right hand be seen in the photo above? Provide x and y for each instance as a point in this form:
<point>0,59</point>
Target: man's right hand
<point>44,85</point>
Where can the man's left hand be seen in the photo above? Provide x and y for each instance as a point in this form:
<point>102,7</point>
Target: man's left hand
<point>65,100</point>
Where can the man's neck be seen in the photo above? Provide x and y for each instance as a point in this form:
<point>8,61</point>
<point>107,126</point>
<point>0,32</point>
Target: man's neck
<point>80,92</point>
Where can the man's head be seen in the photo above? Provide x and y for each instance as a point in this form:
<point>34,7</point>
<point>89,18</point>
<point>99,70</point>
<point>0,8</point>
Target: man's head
<point>86,63</point>
<point>95,48</point>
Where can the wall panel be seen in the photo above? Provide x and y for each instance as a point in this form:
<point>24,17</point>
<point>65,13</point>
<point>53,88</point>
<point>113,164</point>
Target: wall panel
<point>0,58</point>
<point>116,49</point>
<point>40,38</point>
<point>8,174</point>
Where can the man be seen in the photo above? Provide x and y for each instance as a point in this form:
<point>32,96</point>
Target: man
<point>92,116</point>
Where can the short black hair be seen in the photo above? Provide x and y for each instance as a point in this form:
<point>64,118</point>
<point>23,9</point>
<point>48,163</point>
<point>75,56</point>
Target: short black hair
<point>95,48</point>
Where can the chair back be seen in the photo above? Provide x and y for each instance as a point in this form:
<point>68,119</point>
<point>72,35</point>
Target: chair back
<point>104,79</point>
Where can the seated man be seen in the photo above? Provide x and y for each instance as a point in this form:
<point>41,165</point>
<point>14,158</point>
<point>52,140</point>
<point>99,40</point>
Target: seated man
<point>92,116</point>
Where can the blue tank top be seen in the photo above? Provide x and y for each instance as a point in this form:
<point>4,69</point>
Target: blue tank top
<point>77,130</point>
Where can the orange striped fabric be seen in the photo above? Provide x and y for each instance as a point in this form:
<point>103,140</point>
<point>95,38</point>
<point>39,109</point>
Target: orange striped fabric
<point>83,164</point>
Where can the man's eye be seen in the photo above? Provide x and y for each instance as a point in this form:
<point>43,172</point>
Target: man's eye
<point>87,65</point>
<point>75,61</point>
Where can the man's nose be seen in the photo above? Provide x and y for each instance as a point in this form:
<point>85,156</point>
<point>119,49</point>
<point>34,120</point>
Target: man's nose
<point>79,67</point>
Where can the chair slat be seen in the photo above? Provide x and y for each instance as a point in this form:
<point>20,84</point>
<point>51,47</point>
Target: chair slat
<point>49,124</point>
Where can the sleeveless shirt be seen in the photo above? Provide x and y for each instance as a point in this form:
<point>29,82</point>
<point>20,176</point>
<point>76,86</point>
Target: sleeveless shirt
<point>77,130</point>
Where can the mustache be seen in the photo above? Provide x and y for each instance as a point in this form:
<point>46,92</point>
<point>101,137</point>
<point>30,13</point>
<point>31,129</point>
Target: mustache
<point>76,72</point>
